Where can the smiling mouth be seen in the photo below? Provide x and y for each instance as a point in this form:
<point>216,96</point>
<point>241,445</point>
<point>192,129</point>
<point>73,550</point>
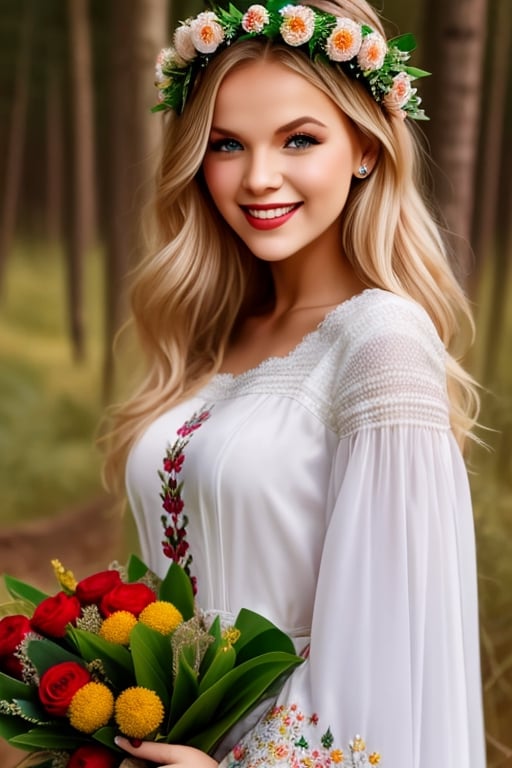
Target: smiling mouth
<point>270,213</point>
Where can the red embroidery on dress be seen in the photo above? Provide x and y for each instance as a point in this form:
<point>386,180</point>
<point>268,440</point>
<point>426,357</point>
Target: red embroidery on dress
<point>175,545</point>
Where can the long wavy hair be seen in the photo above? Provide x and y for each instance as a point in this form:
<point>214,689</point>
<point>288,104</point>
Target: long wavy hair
<point>199,279</point>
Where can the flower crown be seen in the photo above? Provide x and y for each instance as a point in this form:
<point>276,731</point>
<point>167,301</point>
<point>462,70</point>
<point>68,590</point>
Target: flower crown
<point>361,52</point>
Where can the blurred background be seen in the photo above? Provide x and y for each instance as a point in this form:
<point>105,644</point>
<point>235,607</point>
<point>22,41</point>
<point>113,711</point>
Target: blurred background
<point>77,150</point>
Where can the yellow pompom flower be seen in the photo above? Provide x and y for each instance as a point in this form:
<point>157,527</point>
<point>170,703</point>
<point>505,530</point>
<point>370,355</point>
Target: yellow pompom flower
<point>138,712</point>
<point>162,616</point>
<point>91,707</point>
<point>117,627</point>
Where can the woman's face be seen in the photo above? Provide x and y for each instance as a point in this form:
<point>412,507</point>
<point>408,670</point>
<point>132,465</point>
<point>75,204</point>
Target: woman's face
<point>280,161</point>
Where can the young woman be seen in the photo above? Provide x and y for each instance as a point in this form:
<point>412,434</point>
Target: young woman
<point>298,314</point>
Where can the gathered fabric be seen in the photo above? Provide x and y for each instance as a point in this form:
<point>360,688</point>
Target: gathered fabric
<point>327,492</point>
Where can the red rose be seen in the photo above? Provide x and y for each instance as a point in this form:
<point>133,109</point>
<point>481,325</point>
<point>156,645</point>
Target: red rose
<point>12,631</point>
<point>59,684</point>
<point>92,589</point>
<point>127,597</point>
<point>92,756</point>
<point>53,614</point>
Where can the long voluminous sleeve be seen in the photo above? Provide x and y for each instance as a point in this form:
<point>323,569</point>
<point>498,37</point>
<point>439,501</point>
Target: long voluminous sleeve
<point>394,652</point>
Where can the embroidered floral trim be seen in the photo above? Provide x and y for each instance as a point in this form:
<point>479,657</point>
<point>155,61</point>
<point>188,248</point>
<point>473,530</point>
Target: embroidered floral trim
<point>281,739</point>
<point>175,544</point>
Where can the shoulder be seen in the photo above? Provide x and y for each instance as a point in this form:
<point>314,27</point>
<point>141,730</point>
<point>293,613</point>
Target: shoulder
<point>391,365</point>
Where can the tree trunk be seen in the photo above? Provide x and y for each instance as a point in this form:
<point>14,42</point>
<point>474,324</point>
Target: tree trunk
<point>502,266</point>
<point>138,29</point>
<point>54,156</point>
<point>493,126</point>
<point>82,219</point>
<point>453,96</point>
<point>16,140</point>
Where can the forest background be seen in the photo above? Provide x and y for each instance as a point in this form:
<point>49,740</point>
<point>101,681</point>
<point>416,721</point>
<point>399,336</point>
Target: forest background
<point>77,150</point>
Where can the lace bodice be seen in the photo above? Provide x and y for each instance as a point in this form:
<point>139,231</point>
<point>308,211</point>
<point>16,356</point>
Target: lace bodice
<point>365,365</point>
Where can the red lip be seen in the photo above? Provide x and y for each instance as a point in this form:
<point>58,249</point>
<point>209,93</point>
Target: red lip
<point>268,224</point>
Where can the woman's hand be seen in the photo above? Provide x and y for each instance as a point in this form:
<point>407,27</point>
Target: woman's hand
<point>168,755</point>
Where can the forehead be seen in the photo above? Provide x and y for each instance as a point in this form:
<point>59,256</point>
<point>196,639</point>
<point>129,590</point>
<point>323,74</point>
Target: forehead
<point>270,91</point>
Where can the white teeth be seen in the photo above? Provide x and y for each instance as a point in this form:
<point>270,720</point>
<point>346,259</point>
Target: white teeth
<point>272,213</point>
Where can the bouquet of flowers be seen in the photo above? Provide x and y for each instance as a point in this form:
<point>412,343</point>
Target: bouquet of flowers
<point>122,652</point>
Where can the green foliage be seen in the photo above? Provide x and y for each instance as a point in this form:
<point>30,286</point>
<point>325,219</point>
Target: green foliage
<point>45,654</point>
<point>116,659</point>
<point>49,405</point>
<point>152,661</point>
<point>177,587</point>
<point>26,592</point>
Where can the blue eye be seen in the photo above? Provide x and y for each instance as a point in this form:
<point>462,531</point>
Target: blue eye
<point>301,141</point>
<point>225,145</point>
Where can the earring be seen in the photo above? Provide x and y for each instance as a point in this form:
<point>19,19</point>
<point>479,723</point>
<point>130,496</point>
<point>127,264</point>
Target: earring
<point>363,171</point>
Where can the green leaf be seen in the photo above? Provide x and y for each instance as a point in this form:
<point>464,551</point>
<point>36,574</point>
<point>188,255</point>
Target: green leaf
<point>152,661</point>
<point>116,658</point>
<point>266,642</point>
<point>106,737</point>
<point>54,737</point>
<point>223,662</point>
<point>186,688</point>
<point>45,654</point>
<point>11,726</point>
<point>250,695</point>
<point>33,711</point>
<point>16,607</point>
<point>242,6</point>
<point>259,635</point>
<point>19,590</point>
<point>416,73</point>
<point>136,568</point>
<point>260,673</point>
<point>15,689</point>
<point>176,588</point>
<point>216,632</point>
<point>405,43</point>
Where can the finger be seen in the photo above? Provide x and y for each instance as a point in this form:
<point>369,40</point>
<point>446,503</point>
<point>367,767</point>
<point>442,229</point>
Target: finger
<point>157,752</point>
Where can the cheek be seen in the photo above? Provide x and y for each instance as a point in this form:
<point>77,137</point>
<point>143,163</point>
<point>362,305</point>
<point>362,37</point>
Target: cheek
<point>219,180</point>
<point>331,172</point>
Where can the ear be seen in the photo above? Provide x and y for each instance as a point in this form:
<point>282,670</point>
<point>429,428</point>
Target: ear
<point>370,150</point>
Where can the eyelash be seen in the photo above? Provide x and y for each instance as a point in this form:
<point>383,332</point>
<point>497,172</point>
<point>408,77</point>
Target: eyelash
<point>221,144</point>
<point>311,141</point>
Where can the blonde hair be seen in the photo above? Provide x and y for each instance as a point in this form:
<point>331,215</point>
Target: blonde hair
<point>194,285</point>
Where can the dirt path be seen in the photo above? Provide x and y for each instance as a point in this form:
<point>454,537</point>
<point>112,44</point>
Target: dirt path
<point>85,539</point>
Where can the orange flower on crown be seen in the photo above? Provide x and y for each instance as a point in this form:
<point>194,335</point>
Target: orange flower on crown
<point>400,92</point>
<point>298,24</point>
<point>344,41</point>
<point>206,32</point>
<point>372,52</point>
<point>255,19</point>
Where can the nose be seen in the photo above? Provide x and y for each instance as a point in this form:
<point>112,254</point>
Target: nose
<point>262,172</point>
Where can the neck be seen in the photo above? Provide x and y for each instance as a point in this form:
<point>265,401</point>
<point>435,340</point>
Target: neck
<point>313,280</point>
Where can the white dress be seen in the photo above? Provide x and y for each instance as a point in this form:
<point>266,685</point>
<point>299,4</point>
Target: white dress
<point>326,491</point>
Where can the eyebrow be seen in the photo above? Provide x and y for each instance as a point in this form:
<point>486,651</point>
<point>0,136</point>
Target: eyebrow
<point>284,129</point>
